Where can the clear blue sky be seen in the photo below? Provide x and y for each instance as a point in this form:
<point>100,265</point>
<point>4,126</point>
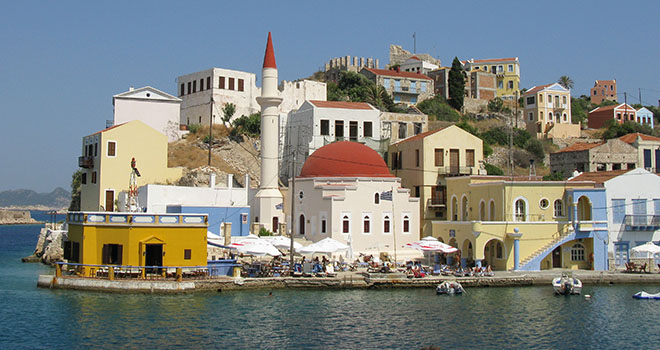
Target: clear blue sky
<point>62,61</point>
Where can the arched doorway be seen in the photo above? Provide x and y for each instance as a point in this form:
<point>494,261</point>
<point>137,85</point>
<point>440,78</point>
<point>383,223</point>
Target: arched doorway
<point>584,209</point>
<point>301,225</point>
<point>495,254</point>
<point>467,252</point>
<point>454,208</point>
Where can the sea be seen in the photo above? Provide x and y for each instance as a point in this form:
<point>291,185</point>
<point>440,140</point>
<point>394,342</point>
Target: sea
<point>482,318</point>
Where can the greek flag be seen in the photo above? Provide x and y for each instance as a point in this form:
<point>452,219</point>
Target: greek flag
<point>279,206</point>
<point>386,195</point>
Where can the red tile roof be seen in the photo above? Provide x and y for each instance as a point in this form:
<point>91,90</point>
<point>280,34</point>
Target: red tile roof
<point>579,146</point>
<point>419,136</point>
<point>106,129</point>
<point>630,138</point>
<point>269,56</point>
<point>341,104</point>
<point>537,89</point>
<point>394,73</point>
<point>493,60</point>
<point>599,176</point>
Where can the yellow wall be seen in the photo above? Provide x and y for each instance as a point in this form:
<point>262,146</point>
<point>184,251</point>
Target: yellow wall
<point>133,140</point>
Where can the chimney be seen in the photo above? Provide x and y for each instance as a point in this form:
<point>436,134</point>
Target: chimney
<point>130,88</point>
<point>212,180</point>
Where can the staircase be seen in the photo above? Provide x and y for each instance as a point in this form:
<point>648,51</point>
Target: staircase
<point>533,261</point>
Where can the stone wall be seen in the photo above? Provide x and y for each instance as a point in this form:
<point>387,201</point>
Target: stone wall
<point>15,217</point>
<point>398,55</point>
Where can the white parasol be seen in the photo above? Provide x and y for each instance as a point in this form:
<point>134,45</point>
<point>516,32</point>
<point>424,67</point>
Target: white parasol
<point>647,250</point>
<point>431,244</point>
<point>282,242</point>
<point>324,246</point>
<point>253,245</point>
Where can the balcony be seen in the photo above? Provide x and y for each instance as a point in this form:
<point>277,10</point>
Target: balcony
<point>641,222</point>
<point>86,162</point>
<point>436,203</point>
<point>454,170</point>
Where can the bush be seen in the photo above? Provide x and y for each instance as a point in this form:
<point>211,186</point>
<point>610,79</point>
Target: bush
<point>248,125</point>
<point>495,105</point>
<point>438,109</point>
<point>496,136</point>
<point>264,232</point>
<point>487,149</point>
<point>493,170</point>
<point>555,176</point>
<point>194,128</point>
<point>615,129</point>
<point>535,147</point>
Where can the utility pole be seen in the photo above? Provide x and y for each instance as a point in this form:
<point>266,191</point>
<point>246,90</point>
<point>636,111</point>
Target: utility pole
<point>640,95</point>
<point>510,147</point>
<point>293,204</point>
<point>516,109</point>
<point>415,42</point>
<point>211,129</point>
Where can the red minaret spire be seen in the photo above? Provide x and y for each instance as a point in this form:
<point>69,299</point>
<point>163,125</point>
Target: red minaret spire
<point>269,57</point>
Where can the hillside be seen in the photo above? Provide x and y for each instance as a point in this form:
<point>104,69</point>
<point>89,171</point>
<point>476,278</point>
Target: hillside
<point>57,199</point>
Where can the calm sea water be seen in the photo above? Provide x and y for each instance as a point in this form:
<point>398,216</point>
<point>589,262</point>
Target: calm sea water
<point>488,318</point>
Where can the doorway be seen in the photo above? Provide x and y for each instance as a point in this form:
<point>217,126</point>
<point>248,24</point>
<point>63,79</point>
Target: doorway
<point>109,200</point>
<point>153,256</point>
<point>276,224</point>
<point>301,225</point>
<point>353,131</point>
<point>556,258</point>
<point>453,161</point>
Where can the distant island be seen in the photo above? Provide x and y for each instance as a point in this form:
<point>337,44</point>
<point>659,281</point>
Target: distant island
<point>15,217</point>
<point>30,200</point>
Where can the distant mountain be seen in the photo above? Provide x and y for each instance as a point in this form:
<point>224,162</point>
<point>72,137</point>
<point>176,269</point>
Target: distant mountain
<point>59,198</point>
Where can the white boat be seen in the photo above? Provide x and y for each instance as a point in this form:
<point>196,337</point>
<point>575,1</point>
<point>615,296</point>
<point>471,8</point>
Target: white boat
<point>645,295</point>
<point>567,285</point>
<point>449,287</point>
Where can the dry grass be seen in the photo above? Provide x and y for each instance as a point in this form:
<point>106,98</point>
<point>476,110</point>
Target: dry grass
<point>188,154</point>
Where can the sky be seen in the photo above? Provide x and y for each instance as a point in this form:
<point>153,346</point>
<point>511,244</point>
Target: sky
<point>62,61</point>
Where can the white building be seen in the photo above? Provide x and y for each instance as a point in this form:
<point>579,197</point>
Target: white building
<point>317,123</point>
<point>153,107</point>
<point>342,193</point>
<point>633,209</point>
<point>416,65</point>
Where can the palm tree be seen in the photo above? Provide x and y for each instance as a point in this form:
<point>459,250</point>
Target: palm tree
<point>376,95</point>
<point>566,82</point>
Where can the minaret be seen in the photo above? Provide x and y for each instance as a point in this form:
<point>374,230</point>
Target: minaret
<point>269,198</point>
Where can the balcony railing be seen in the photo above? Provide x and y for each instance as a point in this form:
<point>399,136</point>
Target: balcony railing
<point>436,203</point>
<point>86,162</point>
<point>455,170</point>
<point>641,222</point>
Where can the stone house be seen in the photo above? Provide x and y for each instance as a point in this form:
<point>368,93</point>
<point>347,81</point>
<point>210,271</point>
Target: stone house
<point>603,90</point>
<point>648,150</point>
<point>588,157</point>
<point>405,87</point>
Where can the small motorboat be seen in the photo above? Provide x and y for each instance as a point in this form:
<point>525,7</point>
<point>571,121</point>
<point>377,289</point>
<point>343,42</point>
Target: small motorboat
<point>645,295</point>
<point>450,288</point>
<point>567,285</point>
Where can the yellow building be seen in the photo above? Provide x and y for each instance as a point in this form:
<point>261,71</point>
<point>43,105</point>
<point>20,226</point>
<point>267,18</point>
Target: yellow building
<point>106,163</point>
<point>506,70</point>
<point>136,239</point>
<point>525,224</point>
<point>424,161</point>
<point>548,112</point>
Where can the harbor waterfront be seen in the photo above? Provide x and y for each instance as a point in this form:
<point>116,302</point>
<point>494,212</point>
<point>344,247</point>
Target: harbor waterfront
<point>410,318</point>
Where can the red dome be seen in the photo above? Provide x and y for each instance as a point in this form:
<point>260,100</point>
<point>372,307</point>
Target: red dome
<point>345,159</point>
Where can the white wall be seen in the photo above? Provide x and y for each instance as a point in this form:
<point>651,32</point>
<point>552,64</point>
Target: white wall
<point>156,198</point>
<point>161,115</point>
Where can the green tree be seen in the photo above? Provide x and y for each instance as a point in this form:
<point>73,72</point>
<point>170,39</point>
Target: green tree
<point>555,176</point>
<point>247,125</point>
<point>228,111</point>
<point>493,170</point>
<point>615,129</point>
<point>76,180</point>
<point>580,108</point>
<point>566,82</point>
<point>495,105</point>
<point>456,84</point>
<point>438,109</point>
<point>376,96</point>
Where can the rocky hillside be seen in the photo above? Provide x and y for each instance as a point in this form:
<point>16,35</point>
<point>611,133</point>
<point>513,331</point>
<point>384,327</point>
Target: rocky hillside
<point>59,198</point>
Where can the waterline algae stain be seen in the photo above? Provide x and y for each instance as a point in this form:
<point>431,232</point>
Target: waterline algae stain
<point>526,317</point>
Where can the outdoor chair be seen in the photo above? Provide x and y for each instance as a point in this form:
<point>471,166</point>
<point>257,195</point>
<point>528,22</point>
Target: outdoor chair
<point>330,270</point>
<point>642,268</point>
<point>307,269</point>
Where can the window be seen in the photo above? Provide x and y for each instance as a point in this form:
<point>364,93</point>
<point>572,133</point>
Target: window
<point>531,116</point>
<point>541,116</point>
<point>397,99</point>
<point>618,116</point>
<point>112,148</point>
<point>558,208</point>
<point>413,86</point>
<point>530,100</point>
<point>510,68</point>
<point>406,224</point>
<point>397,85</point>
<point>201,84</point>
<point>510,84</point>
<point>500,69</point>
<point>376,198</point>
<point>413,99</point>
<point>345,224</point>
<point>403,130</point>
<point>93,177</point>
<point>500,84</point>
<point>417,192</point>
<point>482,211</point>
<point>187,254</point>
<point>618,210</point>
<point>521,212</point>
<point>386,83</point>
<point>221,82</point>
<point>339,128</point>
<point>565,117</point>
<point>577,252</point>
<point>491,210</point>
<point>550,116</point>
<point>454,208</point>
<point>96,149</point>
<point>417,158</point>
<point>499,250</point>
<point>72,251</point>
<point>469,157</point>
<point>83,178</point>
<point>417,128</point>
<point>540,98</point>
<point>183,89</point>
<point>367,126</point>
<point>325,127</point>
<point>366,224</point>
<point>439,157</point>
<point>189,88</point>
<point>111,254</point>
<point>564,99</point>
<point>656,204</point>
<point>386,224</point>
<point>323,226</point>
<point>240,85</point>
<point>208,83</point>
<point>231,84</point>
<point>466,212</point>
<point>422,86</point>
<point>194,86</point>
<point>544,203</point>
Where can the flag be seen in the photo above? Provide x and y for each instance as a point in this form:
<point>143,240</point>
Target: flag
<point>386,195</point>
<point>279,206</point>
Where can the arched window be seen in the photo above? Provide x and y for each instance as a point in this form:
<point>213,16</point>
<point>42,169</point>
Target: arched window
<point>366,224</point>
<point>521,210</point>
<point>577,252</point>
<point>386,224</point>
<point>565,117</point>
<point>406,224</point>
<point>301,224</point>
<point>559,208</point>
<point>584,209</point>
<point>376,198</point>
<point>454,208</point>
<point>550,116</point>
<point>464,207</point>
<point>491,211</point>
<point>482,211</point>
<point>345,224</point>
<point>499,250</point>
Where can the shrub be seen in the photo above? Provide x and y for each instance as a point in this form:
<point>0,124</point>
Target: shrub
<point>495,105</point>
<point>493,170</point>
<point>555,176</point>
<point>487,149</point>
<point>194,128</point>
<point>535,147</point>
<point>438,109</point>
<point>264,232</point>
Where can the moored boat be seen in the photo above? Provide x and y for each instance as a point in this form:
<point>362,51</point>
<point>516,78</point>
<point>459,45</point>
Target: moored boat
<point>566,285</point>
<point>645,295</point>
<point>449,287</point>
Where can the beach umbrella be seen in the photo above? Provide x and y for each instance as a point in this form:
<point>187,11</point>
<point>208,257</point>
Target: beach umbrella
<point>253,245</point>
<point>431,244</point>
<point>647,250</point>
<point>324,246</point>
<point>213,238</point>
<point>282,242</point>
